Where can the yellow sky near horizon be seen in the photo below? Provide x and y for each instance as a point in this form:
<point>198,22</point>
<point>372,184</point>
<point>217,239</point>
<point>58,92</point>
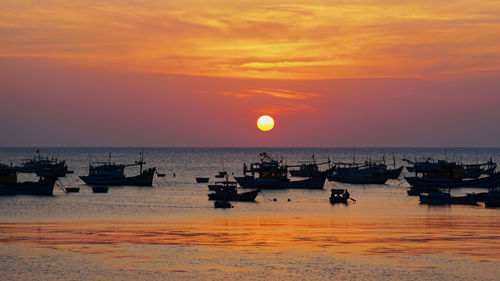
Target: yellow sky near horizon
<point>259,39</point>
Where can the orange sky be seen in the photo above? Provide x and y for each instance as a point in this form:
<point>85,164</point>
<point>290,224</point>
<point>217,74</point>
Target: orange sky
<point>259,39</point>
<point>339,72</point>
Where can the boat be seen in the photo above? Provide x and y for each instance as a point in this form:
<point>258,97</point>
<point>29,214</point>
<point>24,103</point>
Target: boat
<point>223,204</point>
<point>220,185</point>
<point>359,173</point>
<point>271,174</point>
<point>10,186</point>
<point>445,198</point>
<point>306,169</point>
<point>100,189</point>
<point>44,167</point>
<point>490,198</point>
<point>112,174</point>
<point>202,180</point>
<point>446,169</point>
<point>339,196</point>
<point>436,182</point>
<point>233,195</point>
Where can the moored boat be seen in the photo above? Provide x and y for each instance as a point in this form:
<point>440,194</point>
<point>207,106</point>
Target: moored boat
<point>233,195</point>
<point>445,198</point>
<point>483,182</point>
<point>359,173</point>
<point>10,186</point>
<point>271,174</point>
<point>112,174</point>
<point>44,167</point>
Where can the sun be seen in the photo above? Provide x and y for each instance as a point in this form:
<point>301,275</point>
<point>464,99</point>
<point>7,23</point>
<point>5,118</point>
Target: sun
<point>265,123</point>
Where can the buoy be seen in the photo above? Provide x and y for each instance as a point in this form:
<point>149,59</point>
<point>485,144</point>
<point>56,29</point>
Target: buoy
<point>274,199</point>
<point>289,200</point>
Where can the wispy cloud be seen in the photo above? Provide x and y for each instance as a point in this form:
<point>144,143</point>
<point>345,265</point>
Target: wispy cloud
<point>276,93</point>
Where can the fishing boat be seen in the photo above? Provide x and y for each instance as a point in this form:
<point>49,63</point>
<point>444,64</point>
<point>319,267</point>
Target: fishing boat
<point>202,180</point>
<point>339,196</point>
<point>442,168</point>
<point>445,198</point>
<point>233,195</point>
<point>44,167</point>
<point>306,169</point>
<point>111,174</point>
<point>359,173</point>
<point>453,182</point>
<point>10,186</point>
<point>220,185</point>
<point>271,174</point>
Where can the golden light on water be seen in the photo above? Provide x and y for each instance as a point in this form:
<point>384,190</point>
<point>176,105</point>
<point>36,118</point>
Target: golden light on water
<point>265,123</point>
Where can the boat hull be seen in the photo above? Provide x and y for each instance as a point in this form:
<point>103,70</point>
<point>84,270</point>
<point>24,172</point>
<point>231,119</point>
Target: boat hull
<point>381,179</point>
<point>44,188</point>
<point>225,195</point>
<point>316,182</point>
<point>454,183</point>
<point>447,200</point>
<point>338,199</point>
<point>394,174</point>
<point>144,179</point>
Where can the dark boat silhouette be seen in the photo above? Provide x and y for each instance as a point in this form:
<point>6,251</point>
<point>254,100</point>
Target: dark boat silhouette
<point>44,167</point>
<point>445,198</point>
<point>339,196</point>
<point>359,173</point>
<point>233,195</point>
<point>271,174</point>
<point>10,186</point>
<point>112,174</point>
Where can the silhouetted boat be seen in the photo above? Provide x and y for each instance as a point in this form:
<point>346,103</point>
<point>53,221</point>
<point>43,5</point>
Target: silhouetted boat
<point>220,185</point>
<point>222,204</point>
<point>202,180</point>
<point>233,195</point>
<point>444,198</point>
<point>271,174</point>
<point>359,173</point>
<point>340,196</point>
<point>436,182</point>
<point>490,198</point>
<point>10,186</point>
<point>112,174</point>
<point>100,189</point>
<point>446,169</point>
<point>44,167</point>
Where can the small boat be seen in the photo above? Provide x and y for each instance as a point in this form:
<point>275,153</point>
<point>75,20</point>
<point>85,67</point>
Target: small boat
<point>100,189</point>
<point>72,189</point>
<point>490,198</point>
<point>445,198</point>
<point>223,204</point>
<point>112,174</point>
<point>271,174</point>
<point>221,174</point>
<point>339,196</point>
<point>202,180</point>
<point>233,195</point>
<point>10,186</point>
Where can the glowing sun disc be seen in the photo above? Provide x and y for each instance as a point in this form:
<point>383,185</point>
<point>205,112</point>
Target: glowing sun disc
<point>265,123</point>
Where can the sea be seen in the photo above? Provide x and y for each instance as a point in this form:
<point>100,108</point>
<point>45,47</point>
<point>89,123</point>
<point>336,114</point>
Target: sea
<point>171,231</point>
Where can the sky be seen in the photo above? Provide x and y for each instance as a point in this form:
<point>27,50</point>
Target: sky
<point>200,73</point>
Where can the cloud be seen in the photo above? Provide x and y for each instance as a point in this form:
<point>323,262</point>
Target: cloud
<point>275,93</point>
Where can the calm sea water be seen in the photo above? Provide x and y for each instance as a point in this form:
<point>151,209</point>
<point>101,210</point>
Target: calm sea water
<point>171,230</point>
